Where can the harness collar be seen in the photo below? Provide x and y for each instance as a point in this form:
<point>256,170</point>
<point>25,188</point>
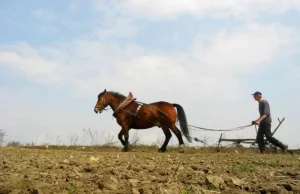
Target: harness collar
<point>124,103</point>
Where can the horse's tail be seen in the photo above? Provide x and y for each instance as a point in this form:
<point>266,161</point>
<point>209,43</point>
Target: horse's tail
<point>183,122</point>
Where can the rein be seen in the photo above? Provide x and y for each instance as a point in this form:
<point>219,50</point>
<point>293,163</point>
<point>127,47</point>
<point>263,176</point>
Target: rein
<point>230,129</point>
<point>192,127</point>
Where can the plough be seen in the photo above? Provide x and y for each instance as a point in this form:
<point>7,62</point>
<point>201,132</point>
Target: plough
<point>251,141</point>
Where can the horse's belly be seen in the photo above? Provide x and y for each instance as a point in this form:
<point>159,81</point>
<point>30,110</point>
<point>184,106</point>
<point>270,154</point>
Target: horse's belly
<point>142,125</point>
<point>145,124</point>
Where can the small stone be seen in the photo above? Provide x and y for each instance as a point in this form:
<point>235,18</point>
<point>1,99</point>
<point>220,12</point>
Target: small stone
<point>136,168</point>
<point>135,191</point>
<point>93,159</point>
<point>180,168</point>
<point>36,191</point>
<point>153,178</point>
<point>15,191</point>
<point>125,176</point>
<point>207,171</point>
<point>113,172</point>
<point>237,181</point>
<point>141,190</point>
<point>195,167</point>
<point>215,181</point>
<point>271,174</point>
<point>288,187</point>
<point>66,161</point>
<point>72,162</point>
<point>133,182</point>
<point>113,179</point>
<point>89,169</point>
<point>150,167</point>
<point>222,186</point>
<point>163,173</point>
<point>100,185</point>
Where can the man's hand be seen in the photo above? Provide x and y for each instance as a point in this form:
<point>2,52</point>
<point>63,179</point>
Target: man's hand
<point>256,122</point>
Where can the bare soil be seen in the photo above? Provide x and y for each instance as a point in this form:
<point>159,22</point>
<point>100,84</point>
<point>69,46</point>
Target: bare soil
<point>52,169</point>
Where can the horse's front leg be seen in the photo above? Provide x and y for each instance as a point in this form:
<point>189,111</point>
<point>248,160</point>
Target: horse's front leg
<point>124,120</point>
<point>126,137</point>
<point>120,136</point>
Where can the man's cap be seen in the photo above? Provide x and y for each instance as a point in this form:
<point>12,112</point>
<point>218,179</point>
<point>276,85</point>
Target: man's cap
<point>257,93</point>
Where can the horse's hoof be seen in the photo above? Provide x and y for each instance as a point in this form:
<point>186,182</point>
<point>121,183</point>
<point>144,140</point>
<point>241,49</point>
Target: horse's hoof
<point>125,150</point>
<point>181,148</point>
<point>162,150</point>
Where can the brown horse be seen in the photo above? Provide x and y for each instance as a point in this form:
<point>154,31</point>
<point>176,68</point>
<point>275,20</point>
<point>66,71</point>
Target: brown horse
<point>134,115</point>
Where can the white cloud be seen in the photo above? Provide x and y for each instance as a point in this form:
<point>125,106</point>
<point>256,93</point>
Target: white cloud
<point>44,15</point>
<point>209,65</point>
<point>30,66</point>
<point>170,9</point>
<point>119,27</point>
<point>247,49</point>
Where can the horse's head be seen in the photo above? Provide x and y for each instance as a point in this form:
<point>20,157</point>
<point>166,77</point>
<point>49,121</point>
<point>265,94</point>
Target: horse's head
<point>102,102</point>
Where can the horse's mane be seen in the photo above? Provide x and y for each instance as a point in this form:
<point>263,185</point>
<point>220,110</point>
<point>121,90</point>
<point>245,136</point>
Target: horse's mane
<point>117,94</point>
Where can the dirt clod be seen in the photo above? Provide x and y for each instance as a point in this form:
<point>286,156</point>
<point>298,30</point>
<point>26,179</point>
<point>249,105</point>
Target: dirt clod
<point>214,181</point>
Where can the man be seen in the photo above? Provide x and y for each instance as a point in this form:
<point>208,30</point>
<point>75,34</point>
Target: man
<point>264,123</point>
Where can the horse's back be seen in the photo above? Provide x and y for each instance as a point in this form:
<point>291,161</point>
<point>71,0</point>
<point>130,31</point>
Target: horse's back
<point>162,105</point>
<point>165,108</point>
<point>159,114</point>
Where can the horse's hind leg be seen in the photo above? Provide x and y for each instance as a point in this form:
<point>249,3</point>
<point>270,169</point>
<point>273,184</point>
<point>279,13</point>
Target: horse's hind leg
<point>168,137</point>
<point>178,134</point>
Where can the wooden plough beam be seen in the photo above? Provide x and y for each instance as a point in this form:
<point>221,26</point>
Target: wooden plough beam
<point>247,141</point>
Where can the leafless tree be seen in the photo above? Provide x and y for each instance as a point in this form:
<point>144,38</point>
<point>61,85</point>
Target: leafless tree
<point>109,140</point>
<point>159,142</point>
<point>92,135</point>
<point>135,139</point>
<point>205,141</point>
<point>14,143</point>
<point>73,140</point>
<point>2,135</point>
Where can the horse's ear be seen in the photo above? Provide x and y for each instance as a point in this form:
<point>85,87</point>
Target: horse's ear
<point>104,90</point>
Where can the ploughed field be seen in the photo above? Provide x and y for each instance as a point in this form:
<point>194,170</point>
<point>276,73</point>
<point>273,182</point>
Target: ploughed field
<point>53,169</point>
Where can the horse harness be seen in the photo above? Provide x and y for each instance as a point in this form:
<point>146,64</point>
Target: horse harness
<point>125,103</point>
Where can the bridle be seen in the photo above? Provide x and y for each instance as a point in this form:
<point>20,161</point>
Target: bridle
<point>119,107</point>
<point>101,107</point>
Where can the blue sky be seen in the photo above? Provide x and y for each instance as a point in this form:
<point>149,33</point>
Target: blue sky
<point>55,57</point>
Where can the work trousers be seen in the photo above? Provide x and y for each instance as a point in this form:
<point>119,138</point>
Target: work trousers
<point>265,129</point>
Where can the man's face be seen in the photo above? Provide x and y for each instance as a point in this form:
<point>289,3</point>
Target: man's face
<point>256,97</point>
